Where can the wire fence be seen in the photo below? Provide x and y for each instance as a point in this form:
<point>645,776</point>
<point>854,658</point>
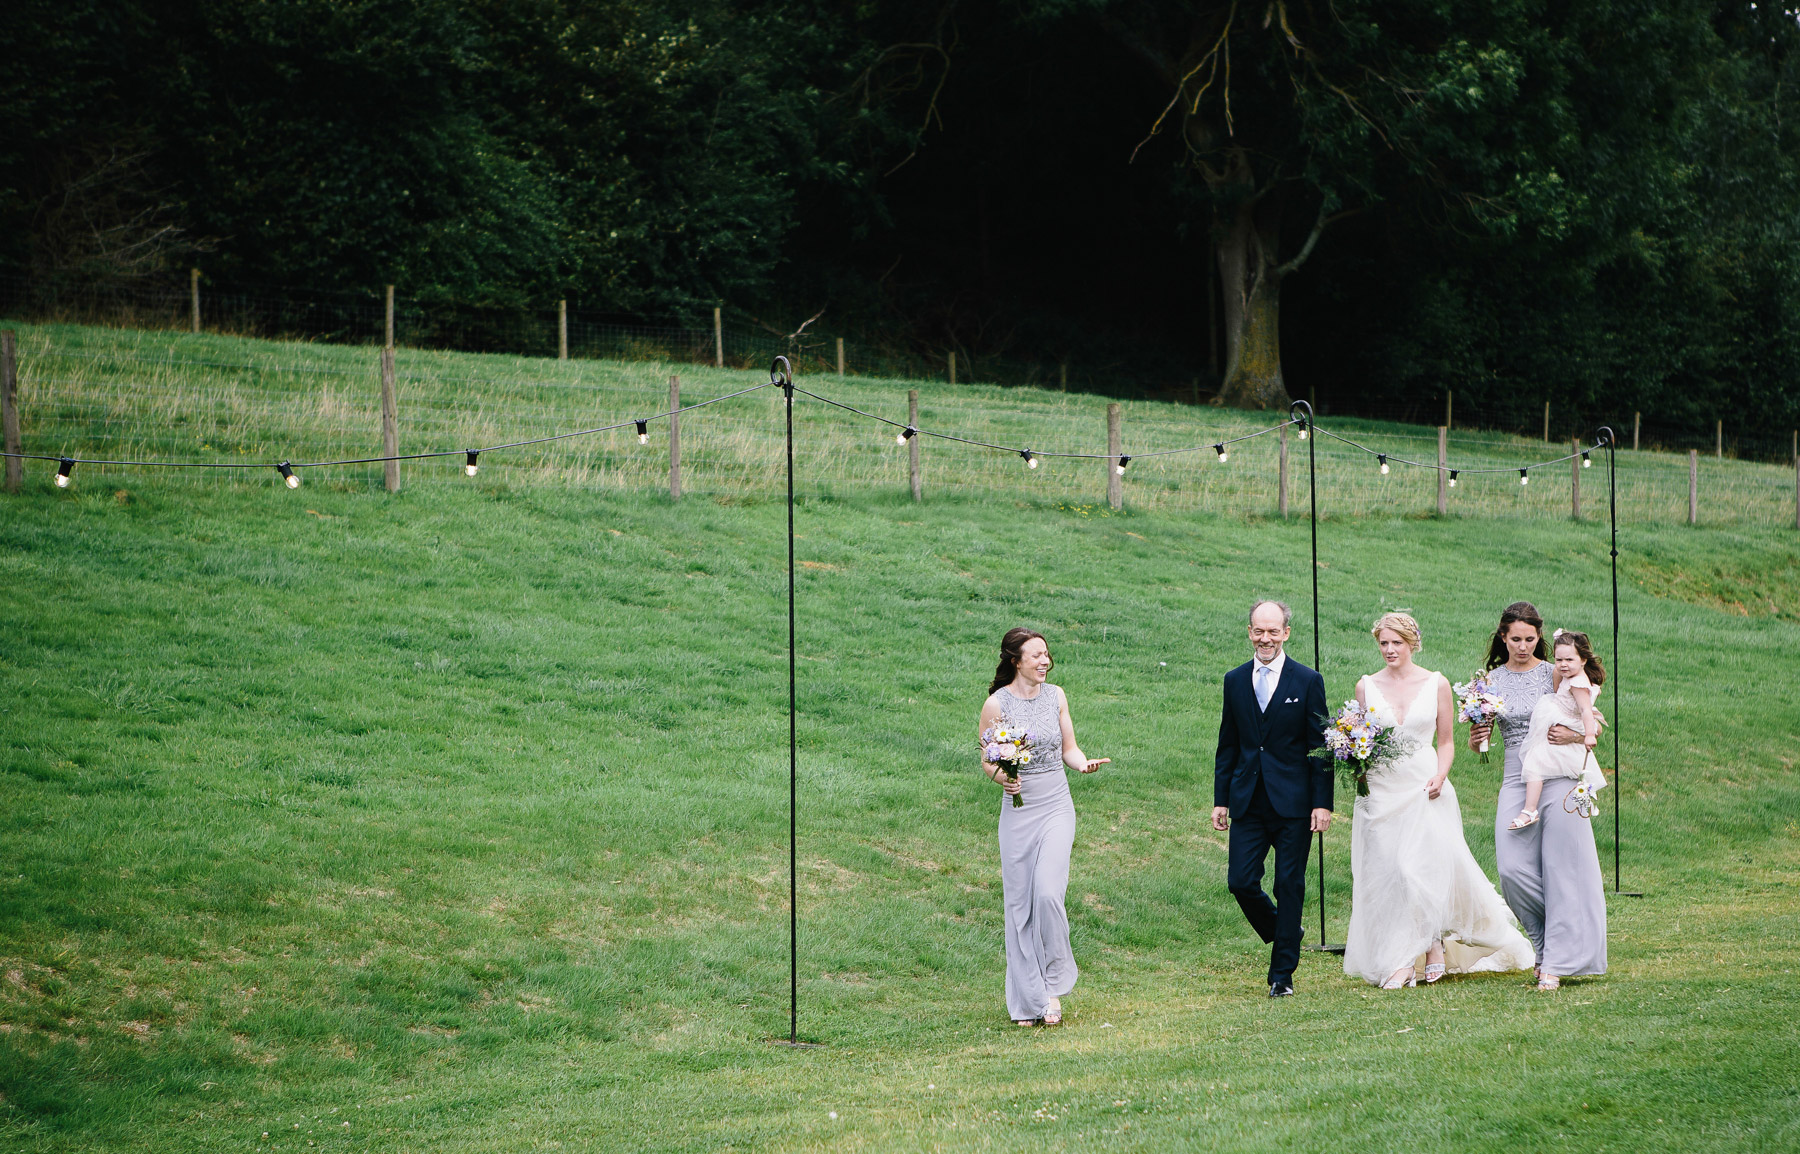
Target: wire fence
<point>154,396</point>
<point>540,330</point>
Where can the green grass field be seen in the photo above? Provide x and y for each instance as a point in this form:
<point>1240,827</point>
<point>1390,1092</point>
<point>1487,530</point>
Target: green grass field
<point>455,820</point>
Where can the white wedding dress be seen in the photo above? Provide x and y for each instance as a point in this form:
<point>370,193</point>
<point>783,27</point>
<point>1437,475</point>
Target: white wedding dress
<point>1414,880</point>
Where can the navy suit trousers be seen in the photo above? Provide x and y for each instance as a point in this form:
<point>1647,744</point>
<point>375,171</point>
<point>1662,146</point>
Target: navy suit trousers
<point>1278,922</point>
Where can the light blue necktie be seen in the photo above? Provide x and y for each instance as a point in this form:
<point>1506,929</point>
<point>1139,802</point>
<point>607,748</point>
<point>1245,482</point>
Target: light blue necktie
<point>1264,690</point>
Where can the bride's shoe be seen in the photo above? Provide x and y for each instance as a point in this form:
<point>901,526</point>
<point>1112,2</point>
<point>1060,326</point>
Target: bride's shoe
<point>1433,971</point>
<point>1526,818</point>
<point>1548,982</point>
<point>1401,978</point>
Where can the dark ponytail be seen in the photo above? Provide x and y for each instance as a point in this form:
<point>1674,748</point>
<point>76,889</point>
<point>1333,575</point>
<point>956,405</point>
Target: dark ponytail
<point>1518,611</point>
<point>1011,647</point>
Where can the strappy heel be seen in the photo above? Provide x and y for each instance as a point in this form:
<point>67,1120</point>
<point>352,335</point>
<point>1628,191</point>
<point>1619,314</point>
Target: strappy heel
<point>1549,982</point>
<point>1433,971</point>
<point>1053,1014</point>
<point>1526,819</point>
<point>1396,982</point>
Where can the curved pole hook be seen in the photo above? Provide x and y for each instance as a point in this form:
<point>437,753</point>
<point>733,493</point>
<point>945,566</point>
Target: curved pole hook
<point>1300,411</point>
<point>781,372</point>
<point>1604,437</point>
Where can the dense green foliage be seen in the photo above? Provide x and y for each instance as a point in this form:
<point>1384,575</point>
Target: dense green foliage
<point>1592,202</point>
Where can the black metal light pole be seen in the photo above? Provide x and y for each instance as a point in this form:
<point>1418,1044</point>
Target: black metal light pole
<point>1606,437</point>
<point>1302,412</point>
<point>780,372</point>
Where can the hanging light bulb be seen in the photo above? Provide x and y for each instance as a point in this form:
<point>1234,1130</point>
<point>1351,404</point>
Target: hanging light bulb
<point>1303,430</point>
<point>1453,478</point>
<point>473,465</point>
<point>1524,477</point>
<point>1119,466</point>
<point>905,435</point>
<point>1587,462</point>
<point>287,474</point>
<point>1223,455</point>
<point>62,473</point>
<point>643,432</point>
<point>1030,461</point>
<point>1382,457</point>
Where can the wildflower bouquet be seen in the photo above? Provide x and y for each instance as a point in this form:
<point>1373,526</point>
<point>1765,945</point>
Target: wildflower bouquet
<point>1478,704</point>
<point>1360,744</point>
<point>1008,747</point>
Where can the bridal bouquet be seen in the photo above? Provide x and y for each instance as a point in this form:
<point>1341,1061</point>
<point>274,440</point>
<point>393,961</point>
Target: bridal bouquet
<point>1360,744</point>
<point>1478,704</point>
<point>1009,748</point>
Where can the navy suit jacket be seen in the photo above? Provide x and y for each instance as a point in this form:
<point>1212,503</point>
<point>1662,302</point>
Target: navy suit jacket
<point>1273,745</point>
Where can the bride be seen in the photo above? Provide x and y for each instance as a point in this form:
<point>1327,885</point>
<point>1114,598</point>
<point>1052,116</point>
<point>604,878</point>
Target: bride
<point>1418,895</point>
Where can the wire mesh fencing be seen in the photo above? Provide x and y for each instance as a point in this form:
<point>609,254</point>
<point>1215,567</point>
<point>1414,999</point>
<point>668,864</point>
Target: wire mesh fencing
<point>145,395</point>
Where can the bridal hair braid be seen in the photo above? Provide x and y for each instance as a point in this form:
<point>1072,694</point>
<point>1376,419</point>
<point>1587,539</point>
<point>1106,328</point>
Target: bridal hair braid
<point>1011,646</point>
<point>1518,611</point>
<point>1584,648</point>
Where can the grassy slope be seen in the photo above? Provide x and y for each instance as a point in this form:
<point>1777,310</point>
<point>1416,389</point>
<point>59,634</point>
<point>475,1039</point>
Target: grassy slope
<point>461,813</point>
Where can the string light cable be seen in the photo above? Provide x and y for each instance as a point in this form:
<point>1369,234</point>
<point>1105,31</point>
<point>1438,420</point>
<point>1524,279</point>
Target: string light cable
<point>904,433</point>
<point>1385,459</point>
<point>1031,455</point>
<point>286,468</point>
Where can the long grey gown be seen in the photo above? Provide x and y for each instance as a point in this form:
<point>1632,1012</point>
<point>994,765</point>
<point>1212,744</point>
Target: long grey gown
<point>1549,872</point>
<point>1035,842</point>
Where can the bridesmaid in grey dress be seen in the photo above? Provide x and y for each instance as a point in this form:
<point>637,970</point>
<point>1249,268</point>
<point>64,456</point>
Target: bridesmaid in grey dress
<point>1549,872</point>
<point>1036,837</point>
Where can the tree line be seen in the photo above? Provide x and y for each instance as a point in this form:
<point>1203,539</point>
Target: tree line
<point>1373,201</point>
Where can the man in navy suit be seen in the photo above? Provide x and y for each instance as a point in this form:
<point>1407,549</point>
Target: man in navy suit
<point>1267,789</point>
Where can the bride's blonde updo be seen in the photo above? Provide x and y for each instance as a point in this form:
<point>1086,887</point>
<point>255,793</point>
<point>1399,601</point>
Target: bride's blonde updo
<point>1401,623</point>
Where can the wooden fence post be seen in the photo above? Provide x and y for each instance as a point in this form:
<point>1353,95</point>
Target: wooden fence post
<point>562,329</point>
<point>1115,484</point>
<point>840,341</point>
<point>1693,486</point>
<point>1447,397</point>
<point>1444,461</point>
<point>1281,477</point>
<point>390,421</point>
<point>1546,422</point>
<point>194,295</point>
<point>1637,426</point>
<point>912,445</point>
<point>674,439</point>
<point>387,340</point>
<point>1575,481</point>
<point>1797,480</point>
<point>718,340</point>
<point>9,408</point>
<point>953,366</point>
<point>1720,451</point>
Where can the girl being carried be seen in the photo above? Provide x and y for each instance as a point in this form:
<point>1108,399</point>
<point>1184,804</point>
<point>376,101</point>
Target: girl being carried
<point>1578,677</point>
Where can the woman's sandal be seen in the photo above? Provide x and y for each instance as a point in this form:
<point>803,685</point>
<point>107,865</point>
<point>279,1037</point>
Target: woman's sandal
<point>1026,1021</point>
<point>1396,982</point>
<point>1548,982</point>
<point>1526,818</point>
<point>1433,971</point>
<point>1053,1014</point>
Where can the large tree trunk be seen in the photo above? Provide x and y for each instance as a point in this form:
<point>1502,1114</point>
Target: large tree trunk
<point>1248,255</point>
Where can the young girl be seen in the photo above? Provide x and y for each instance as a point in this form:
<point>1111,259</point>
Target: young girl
<point>1577,678</point>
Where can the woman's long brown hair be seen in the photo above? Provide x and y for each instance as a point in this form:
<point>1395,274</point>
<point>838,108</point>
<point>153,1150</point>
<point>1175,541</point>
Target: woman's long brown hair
<point>1011,647</point>
<point>1518,611</point>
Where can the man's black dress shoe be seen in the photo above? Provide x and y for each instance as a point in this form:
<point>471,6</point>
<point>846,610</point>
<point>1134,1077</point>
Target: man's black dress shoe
<point>1281,989</point>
